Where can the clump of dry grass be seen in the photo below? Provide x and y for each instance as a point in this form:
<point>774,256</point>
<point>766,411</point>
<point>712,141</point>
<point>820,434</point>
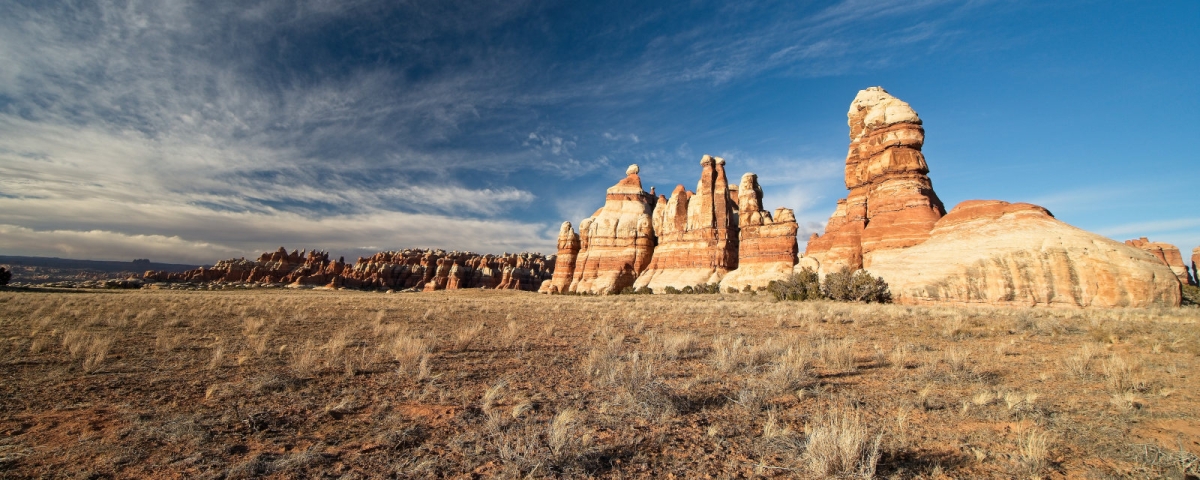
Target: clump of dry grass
<point>1078,365</point>
<point>305,357</point>
<point>1122,376</point>
<point>676,346</point>
<point>411,354</point>
<point>836,355</point>
<point>727,353</point>
<point>466,335</point>
<point>1033,450</point>
<point>839,444</point>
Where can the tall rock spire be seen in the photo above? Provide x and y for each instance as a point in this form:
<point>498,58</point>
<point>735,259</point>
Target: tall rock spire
<point>617,242</point>
<point>891,203</point>
<point>697,233</point>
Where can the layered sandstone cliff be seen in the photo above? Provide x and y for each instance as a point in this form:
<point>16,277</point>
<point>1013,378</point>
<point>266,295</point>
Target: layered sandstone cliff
<point>997,253</point>
<point>697,233</point>
<point>1167,254</point>
<point>413,269</point>
<point>616,243</point>
<point>767,248</point>
<point>891,203</point>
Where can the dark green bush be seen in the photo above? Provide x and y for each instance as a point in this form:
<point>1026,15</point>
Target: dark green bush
<point>802,286</point>
<point>859,286</point>
<point>669,290</point>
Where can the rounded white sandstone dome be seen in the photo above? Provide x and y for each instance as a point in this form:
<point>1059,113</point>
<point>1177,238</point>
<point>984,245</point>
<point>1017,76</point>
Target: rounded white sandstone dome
<point>632,169</point>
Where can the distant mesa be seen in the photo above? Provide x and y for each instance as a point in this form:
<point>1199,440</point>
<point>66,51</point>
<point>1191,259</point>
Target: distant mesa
<point>412,269</point>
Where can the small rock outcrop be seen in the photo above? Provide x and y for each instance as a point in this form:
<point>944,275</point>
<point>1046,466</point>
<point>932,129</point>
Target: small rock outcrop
<point>999,253</point>
<point>1166,253</point>
<point>697,233</point>
<point>616,243</point>
<point>891,203</point>
<point>767,248</point>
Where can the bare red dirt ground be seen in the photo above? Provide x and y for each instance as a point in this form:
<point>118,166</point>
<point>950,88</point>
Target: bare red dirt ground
<point>478,384</point>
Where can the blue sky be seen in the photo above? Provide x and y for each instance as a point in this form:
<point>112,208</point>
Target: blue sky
<point>194,131</point>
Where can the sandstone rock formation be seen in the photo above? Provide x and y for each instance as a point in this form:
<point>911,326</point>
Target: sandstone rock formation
<point>767,247</point>
<point>616,243</point>
<point>413,269</point>
<point>697,233</point>
<point>564,262</point>
<point>1196,266</point>
<point>997,253</point>
<point>891,203</point>
<point>301,268</point>
<point>1166,253</point>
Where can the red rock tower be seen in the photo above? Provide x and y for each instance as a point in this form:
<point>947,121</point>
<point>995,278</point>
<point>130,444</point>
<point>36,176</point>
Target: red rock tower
<point>697,233</point>
<point>891,203</point>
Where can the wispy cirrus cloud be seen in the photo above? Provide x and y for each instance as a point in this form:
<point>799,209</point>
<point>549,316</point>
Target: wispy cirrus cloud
<point>214,124</point>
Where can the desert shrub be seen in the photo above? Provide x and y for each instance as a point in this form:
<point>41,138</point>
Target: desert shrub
<point>688,290</point>
<point>1191,294</point>
<point>859,286</point>
<point>669,290</point>
<point>707,288</point>
<point>5,276</point>
<point>732,290</point>
<point>802,286</point>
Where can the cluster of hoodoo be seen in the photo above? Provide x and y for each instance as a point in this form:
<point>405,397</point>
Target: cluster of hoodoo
<point>717,234</point>
<point>891,223</point>
<point>410,269</point>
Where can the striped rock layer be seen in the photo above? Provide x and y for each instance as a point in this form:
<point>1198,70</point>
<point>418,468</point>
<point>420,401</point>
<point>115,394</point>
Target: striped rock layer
<point>697,233</point>
<point>891,203</point>
<point>616,243</point>
<point>767,248</point>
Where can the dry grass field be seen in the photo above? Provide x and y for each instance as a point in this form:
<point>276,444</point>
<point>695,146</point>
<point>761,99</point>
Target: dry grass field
<point>479,384</point>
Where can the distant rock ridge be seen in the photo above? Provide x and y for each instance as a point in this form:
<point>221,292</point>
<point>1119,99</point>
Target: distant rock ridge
<point>411,269</point>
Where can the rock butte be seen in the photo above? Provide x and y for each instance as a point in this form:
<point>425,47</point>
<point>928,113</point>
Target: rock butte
<point>1000,253</point>
<point>412,269</point>
<point>1167,254</point>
